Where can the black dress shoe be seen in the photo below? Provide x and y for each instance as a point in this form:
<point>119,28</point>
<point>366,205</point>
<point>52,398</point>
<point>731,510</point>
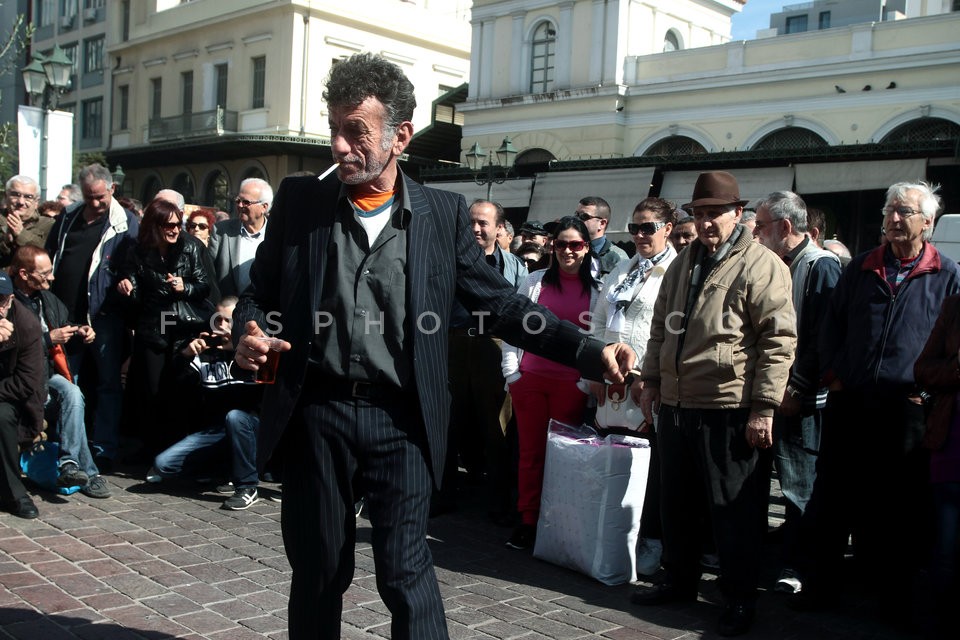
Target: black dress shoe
<point>736,620</point>
<point>23,508</point>
<point>663,593</point>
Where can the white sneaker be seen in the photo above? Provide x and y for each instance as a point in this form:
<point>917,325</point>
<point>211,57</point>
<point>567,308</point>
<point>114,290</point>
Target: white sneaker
<point>788,582</point>
<point>648,556</point>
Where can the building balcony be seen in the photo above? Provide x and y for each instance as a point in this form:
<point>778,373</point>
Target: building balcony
<point>192,125</point>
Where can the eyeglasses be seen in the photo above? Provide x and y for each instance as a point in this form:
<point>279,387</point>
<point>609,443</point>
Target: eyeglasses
<point>43,274</point>
<point>247,203</point>
<point>573,245</point>
<point>903,212</point>
<point>646,228</point>
<point>712,213</point>
<point>203,226</point>
<point>29,197</point>
<point>586,216</point>
<point>169,226</point>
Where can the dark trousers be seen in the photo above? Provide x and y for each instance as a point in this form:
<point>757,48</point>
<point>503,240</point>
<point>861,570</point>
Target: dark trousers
<point>706,462</point>
<point>650,526</point>
<point>11,487</point>
<point>796,443</point>
<point>479,412</point>
<point>872,481</point>
<point>330,438</point>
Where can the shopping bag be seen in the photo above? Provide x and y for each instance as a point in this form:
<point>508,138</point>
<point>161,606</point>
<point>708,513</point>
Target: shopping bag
<point>592,498</point>
<point>39,464</point>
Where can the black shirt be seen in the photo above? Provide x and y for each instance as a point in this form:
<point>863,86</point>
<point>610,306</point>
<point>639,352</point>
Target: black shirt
<point>73,267</point>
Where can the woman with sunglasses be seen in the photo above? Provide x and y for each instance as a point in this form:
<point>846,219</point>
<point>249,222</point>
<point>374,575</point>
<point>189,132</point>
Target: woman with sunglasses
<point>165,278</point>
<point>200,225</point>
<point>540,388</point>
<point>623,313</point>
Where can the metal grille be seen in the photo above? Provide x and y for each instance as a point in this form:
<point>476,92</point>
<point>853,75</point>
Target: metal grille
<point>676,146</point>
<point>791,138</point>
<point>925,130</point>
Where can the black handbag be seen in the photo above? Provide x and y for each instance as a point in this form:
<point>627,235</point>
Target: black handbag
<point>193,314</point>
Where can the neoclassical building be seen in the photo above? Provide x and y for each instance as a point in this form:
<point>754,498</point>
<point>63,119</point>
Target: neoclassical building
<point>629,98</point>
<point>204,94</point>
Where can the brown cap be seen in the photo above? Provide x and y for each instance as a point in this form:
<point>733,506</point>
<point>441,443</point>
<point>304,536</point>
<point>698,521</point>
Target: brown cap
<point>716,187</point>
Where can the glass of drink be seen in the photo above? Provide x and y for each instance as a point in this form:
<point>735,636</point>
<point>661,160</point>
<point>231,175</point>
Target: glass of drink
<point>267,373</point>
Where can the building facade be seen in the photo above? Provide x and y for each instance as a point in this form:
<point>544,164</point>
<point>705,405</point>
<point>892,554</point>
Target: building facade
<point>837,114</point>
<point>826,14</point>
<point>199,95</point>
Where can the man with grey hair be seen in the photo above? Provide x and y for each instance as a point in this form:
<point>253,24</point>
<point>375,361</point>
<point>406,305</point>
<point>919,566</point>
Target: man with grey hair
<point>87,244</point>
<point>173,197</point>
<point>20,223</point>
<point>235,242</point>
<point>781,226</point>
<point>363,267</point>
<point>872,476</point>
<point>69,195</point>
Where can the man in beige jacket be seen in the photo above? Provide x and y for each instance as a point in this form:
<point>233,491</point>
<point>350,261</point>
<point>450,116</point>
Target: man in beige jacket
<point>716,367</point>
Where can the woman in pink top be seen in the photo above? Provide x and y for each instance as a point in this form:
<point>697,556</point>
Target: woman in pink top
<point>542,389</point>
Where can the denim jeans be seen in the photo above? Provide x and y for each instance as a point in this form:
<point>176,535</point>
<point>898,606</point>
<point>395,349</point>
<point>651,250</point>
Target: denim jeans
<point>107,348</point>
<point>946,500</point>
<point>796,443</point>
<point>67,398</point>
<point>205,452</point>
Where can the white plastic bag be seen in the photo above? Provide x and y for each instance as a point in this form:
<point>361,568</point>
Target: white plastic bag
<point>593,490</point>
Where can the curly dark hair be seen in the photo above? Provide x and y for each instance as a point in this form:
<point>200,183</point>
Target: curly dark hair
<point>363,75</point>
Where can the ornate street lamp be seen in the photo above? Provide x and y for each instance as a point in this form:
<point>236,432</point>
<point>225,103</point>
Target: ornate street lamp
<point>118,177</point>
<point>45,78</point>
<point>489,173</point>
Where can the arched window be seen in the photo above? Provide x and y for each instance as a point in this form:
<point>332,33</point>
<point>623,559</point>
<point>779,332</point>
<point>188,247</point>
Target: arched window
<point>924,130</point>
<point>671,42</point>
<point>791,138</point>
<point>676,146</point>
<point>216,191</point>
<point>253,172</point>
<point>542,53</point>
<point>150,188</point>
<point>184,184</point>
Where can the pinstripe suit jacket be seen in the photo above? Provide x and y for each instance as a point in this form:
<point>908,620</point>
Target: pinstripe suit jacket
<point>444,262</point>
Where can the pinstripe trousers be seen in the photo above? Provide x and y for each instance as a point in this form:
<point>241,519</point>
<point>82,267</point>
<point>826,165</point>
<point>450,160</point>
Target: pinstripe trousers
<point>328,439</point>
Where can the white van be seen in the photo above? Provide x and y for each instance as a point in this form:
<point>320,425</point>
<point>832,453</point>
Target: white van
<point>946,235</point>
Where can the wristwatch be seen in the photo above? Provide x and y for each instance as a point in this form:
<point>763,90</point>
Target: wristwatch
<point>793,392</point>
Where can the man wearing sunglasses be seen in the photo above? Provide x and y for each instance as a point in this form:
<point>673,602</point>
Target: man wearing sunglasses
<point>594,211</point>
<point>235,242</point>
<point>721,344</point>
<point>20,223</point>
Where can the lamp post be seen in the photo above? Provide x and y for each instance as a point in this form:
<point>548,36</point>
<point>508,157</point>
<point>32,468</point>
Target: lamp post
<point>45,134</point>
<point>118,177</point>
<point>489,173</point>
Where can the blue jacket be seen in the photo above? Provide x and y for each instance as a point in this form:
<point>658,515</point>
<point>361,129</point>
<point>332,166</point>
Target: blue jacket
<point>871,336</point>
<point>120,228</point>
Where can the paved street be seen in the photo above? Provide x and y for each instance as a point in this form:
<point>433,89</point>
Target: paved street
<point>164,561</point>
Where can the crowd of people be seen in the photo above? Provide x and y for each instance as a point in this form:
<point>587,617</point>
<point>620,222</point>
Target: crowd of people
<point>748,342</point>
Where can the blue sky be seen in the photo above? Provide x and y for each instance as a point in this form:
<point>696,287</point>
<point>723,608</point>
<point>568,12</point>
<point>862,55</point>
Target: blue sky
<point>755,15</point>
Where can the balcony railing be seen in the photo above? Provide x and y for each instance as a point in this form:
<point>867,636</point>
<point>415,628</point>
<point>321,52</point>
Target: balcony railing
<point>189,125</point>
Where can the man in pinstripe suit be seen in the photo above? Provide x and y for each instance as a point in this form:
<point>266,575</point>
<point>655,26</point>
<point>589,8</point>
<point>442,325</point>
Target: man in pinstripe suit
<point>357,275</point>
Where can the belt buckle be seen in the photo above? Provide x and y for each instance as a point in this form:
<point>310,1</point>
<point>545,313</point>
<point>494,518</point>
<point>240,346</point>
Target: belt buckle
<point>361,390</point>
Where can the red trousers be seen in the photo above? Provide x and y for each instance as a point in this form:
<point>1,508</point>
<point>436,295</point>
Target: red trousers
<point>536,400</point>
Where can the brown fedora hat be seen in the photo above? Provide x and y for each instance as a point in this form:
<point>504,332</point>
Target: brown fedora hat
<point>716,187</point>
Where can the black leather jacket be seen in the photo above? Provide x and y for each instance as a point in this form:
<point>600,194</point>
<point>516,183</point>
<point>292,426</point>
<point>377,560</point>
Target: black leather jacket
<point>155,299</point>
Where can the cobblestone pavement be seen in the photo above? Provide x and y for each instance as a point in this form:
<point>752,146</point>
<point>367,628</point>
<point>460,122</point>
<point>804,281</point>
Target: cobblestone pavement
<point>164,561</point>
